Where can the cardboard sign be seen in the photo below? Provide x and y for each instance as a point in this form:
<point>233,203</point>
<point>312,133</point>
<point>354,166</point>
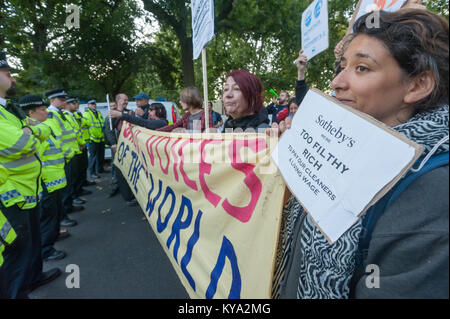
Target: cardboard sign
<point>366,6</point>
<point>202,24</point>
<point>214,202</point>
<point>315,28</point>
<point>338,161</point>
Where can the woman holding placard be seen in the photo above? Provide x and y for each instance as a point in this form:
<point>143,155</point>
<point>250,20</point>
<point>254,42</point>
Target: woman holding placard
<point>398,74</point>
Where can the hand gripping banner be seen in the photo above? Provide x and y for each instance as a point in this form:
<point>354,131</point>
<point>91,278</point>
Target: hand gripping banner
<point>214,201</point>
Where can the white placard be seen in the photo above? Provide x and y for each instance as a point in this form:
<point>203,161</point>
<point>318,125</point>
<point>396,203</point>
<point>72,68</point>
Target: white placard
<point>202,24</point>
<point>366,6</point>
<point>336,162</point>
<point>315,28</point>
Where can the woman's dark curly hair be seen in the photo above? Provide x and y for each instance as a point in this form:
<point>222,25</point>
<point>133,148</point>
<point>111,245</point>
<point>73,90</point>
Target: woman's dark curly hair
<point>418,41</point>
<point>160,110</point>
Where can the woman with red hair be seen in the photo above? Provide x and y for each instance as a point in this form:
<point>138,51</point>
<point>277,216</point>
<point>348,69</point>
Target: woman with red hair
<point>243,102</point>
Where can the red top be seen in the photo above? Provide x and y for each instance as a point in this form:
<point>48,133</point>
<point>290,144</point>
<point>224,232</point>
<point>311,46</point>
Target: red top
<point>184,121</point>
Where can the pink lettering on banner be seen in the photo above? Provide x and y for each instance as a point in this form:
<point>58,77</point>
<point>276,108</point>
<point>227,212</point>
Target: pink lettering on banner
<point>166,169</point>
<point>127,131</point>
<point>252,181</point>
<point>189,182</point>
<point>175,159</point>
<point>135,140</point>
<point>205,168</point>
<point>150,147</point>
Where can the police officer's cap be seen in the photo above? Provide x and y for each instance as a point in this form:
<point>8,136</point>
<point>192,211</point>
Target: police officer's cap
<point>56,93</point>
<point>31,101</point>
<point>92,101</point>
<point>72,99</point>
<point>3,62</point>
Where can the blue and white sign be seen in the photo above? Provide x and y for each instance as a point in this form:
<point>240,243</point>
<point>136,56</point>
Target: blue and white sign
<point>202,24</point>
<point>315,28</point>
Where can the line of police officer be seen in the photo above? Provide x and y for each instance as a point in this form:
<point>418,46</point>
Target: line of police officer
<point>43,165</point>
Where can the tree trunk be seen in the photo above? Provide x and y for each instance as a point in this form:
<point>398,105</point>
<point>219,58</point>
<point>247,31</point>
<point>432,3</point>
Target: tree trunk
<point>39,38</point>
<point>187,62</point>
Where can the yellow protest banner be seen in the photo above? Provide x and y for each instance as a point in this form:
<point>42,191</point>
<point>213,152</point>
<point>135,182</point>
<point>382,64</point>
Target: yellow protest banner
<point>214,201</point>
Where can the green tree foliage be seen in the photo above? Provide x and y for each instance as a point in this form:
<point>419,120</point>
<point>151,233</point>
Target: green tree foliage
<point>106,54</point>
<point>96,58</point>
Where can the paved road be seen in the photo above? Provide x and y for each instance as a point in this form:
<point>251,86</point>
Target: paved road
<point>117,253</point>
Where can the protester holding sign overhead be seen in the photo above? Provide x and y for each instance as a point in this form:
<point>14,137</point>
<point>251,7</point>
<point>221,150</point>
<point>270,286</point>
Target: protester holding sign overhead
<point>301,88</point>
<point>243,102</point>
<point>401,82</point>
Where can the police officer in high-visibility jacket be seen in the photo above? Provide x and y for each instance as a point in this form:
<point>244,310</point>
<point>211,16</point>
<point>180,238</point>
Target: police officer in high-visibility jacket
<point>85,125</point>
<point>7,236</point>
<point>62,128</point>
<point>22,265</point>
<point>77,159</point>
<point>53,177</point>
<point>97,142</point>
<point>70,111</point>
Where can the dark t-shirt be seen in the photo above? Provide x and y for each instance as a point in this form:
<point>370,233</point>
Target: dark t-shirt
<point>194,122</point>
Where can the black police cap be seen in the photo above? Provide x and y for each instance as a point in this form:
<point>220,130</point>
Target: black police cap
<point>31,101</point>
<point>72,99</point>
<point>55,93</point>
<point>3,61</point>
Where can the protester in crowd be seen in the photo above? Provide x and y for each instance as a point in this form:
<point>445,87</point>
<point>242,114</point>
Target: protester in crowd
<point>217,118</point>
<point>290,112</point>
<point>194,120</point>
<point>278,105</point>
<point>22,267</point>
<point>157,117</point>
<point>112,136</point>
<point>143,108</point>
<point>301,88</point>
<point>396,73</point>
<point>111,140</point>
<point>243,101</point>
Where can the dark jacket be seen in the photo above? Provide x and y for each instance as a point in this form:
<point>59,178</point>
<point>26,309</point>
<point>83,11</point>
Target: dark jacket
<point>146,110</point>
<point>258,122</point>
<point>111,136</point>
<point>409,245</point>
<point>301,88</point>
<point>150,124</point>
<point>410,242</point>
<point>275,109</point>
